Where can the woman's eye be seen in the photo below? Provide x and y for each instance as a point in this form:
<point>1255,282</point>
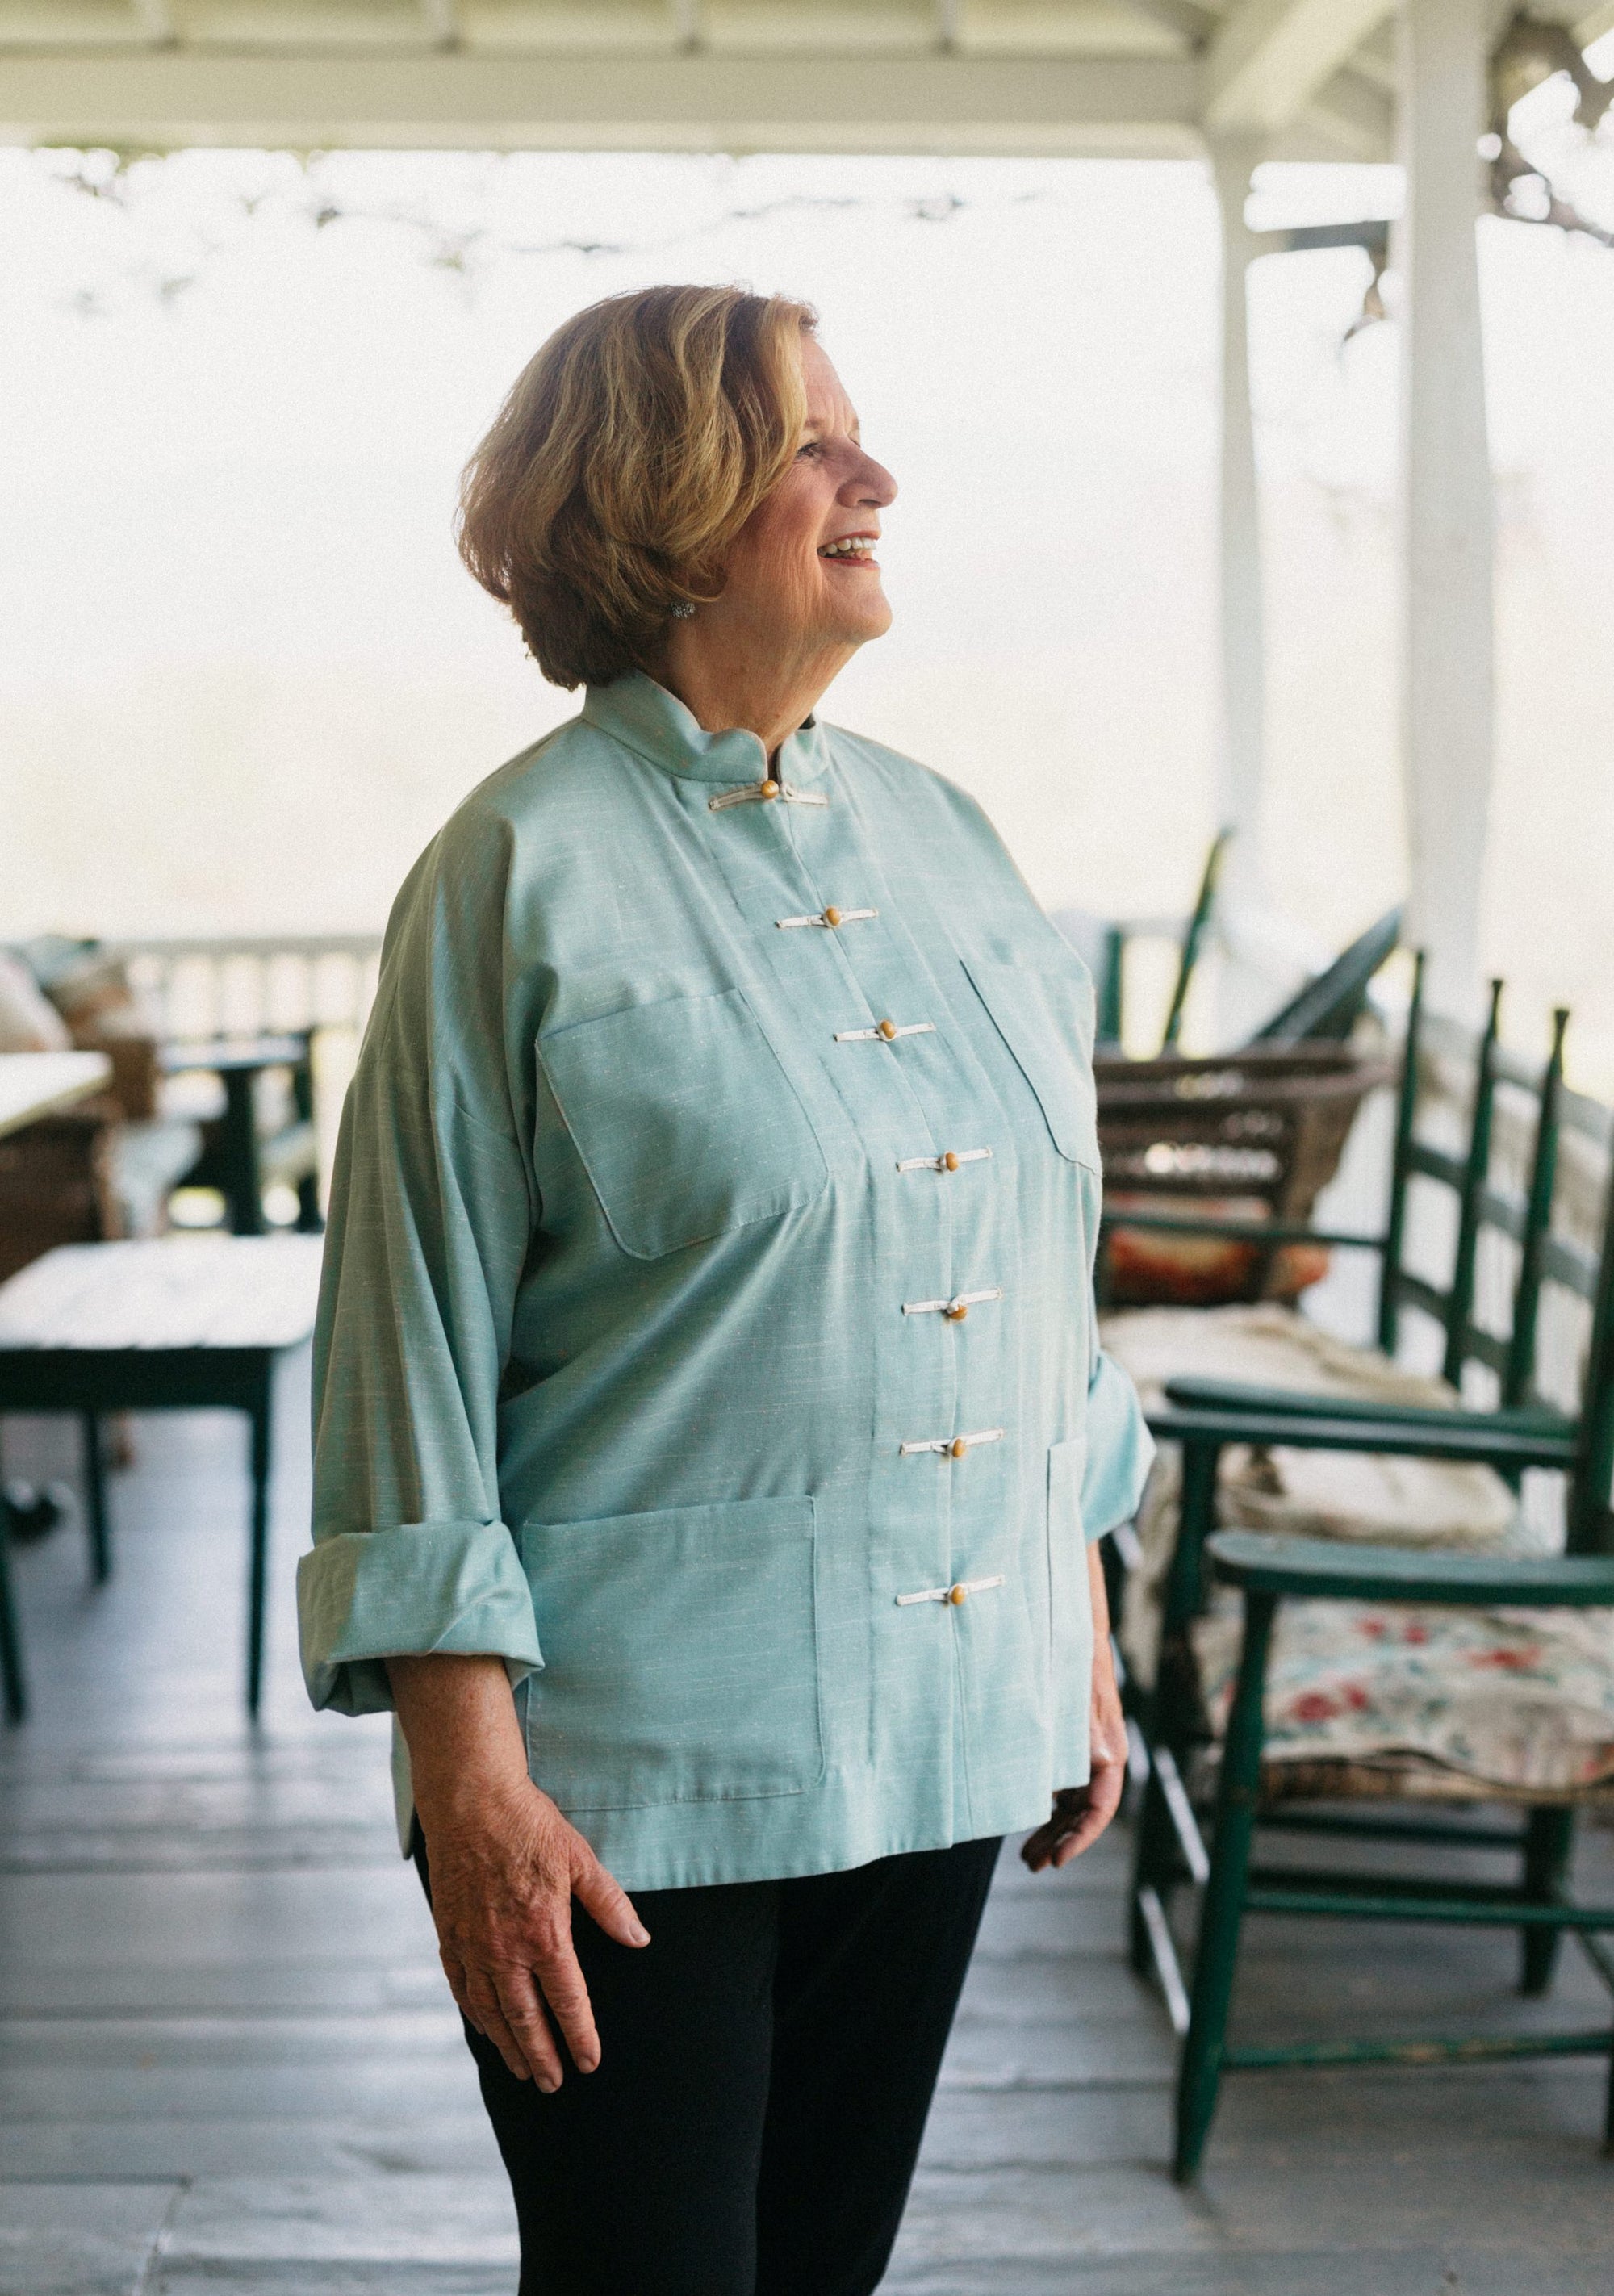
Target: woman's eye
<point>811,446</point>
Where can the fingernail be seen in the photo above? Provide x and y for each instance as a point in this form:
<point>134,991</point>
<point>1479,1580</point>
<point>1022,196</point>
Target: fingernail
<point>640,1934</point>
<point>546,2085</point>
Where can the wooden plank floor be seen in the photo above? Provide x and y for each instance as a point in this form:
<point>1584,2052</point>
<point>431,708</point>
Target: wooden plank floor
<point>228,2063</point>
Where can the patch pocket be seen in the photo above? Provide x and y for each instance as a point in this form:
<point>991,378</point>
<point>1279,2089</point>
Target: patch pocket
<point>685,1119</point>
<point>1070,1614</point>
<point>680,1655</point>
<point>1046,1019</point>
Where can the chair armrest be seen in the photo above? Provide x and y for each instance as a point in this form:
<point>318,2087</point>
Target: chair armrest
<point>1264,1565</point>
<point>1195,1393</point>
<point>1464,1436</point>
<point>1238,1231</point>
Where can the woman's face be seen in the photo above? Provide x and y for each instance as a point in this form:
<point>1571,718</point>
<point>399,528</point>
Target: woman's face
<point>802,570</point>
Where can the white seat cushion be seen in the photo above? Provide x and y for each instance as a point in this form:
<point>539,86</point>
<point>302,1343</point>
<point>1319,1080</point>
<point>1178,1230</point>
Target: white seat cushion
<point>1307,1494</point>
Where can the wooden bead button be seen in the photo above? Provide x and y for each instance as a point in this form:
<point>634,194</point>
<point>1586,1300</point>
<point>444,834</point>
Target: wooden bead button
<point>888,1029</point>
<point>958,1594</point>
<point>959,1447</point>
<point>832,916</point>
<point>950,1161</point>
<point>956,1313</point>
<point>770,788</point>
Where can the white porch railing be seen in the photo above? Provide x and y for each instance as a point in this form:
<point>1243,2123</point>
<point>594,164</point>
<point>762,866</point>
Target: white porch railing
<point>252,985</point>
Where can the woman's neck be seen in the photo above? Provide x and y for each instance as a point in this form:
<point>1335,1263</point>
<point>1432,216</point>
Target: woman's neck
<point>725,689</point>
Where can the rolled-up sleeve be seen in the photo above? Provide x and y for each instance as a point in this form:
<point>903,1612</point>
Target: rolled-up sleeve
<point>431,1215</point>
<point>1120,1450</point>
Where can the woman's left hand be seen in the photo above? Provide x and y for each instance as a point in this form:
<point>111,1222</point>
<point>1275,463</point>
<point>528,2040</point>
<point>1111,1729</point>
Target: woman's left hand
<point>1081,1813</point>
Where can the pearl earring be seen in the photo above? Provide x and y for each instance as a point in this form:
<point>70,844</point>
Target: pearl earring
<point>682,610</point>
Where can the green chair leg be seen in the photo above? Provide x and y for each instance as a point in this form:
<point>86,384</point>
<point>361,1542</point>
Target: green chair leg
<point>14,1681</point>
<point>1151,1868</point>
<point>95,1499</point>
<point>257,1576</point>
<point>1549,1843</point>
<point>1201,2074</point>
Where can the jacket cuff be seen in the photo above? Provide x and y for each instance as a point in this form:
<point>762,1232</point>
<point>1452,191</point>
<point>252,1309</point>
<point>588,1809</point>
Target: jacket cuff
<point>1120,1451</point>
<point>365,1596</point>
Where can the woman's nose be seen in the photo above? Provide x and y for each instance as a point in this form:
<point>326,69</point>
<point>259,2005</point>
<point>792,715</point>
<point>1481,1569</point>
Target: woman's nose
<point>871,482</point>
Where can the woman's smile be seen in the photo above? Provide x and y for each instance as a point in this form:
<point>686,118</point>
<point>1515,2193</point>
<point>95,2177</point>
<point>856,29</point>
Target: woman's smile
<point>853,550</point>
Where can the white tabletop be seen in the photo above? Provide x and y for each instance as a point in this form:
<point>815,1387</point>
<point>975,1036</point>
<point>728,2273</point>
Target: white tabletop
<point>166,1291</point>
<point>33,1085</point>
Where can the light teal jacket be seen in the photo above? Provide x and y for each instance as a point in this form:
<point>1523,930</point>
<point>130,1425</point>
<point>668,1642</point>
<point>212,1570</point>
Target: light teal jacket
<point>707,1322</point>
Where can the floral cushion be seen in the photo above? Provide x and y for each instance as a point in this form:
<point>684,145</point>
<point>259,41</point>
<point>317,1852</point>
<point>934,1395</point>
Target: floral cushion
<point>1515,1699</point>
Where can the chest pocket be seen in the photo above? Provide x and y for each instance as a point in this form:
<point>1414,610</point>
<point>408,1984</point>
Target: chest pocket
<point>1046,1019</point>
<point>686,1121</point>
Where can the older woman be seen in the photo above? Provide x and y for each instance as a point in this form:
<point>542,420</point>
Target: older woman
<point>712,1433</point>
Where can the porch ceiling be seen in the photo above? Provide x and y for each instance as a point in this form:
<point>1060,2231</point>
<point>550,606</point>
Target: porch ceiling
<point>1124,77</point>
<point>1300,79</point>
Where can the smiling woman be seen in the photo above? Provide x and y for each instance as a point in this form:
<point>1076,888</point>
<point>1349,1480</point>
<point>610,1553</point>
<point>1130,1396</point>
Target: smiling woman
<point>711,1431</point>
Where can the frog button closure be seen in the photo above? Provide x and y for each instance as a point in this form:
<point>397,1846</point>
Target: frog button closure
<point>885,1031</point>
<point>830,918</point>
<point>955,1595</point>
<point>951,1447</point>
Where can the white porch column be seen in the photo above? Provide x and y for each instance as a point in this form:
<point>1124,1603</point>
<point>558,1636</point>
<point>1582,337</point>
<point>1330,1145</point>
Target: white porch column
<point>1446,666</point>
<point>1243,995</point>
<point>1243,650</point>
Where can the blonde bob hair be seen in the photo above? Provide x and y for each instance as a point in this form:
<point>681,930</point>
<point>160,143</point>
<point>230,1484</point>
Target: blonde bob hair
<point>626,457</point>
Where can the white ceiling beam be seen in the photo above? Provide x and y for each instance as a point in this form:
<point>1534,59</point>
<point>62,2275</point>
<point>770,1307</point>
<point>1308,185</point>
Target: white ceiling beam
<point>1191,23</point>
<point>155,19</point>
<point>1271,57</point>
<point>1354,114</point>
<point>441,19</point>
<point>1059,106</point>
<point>1379,60</point>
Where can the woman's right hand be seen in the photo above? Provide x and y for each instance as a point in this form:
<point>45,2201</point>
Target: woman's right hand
<point>505,1866</point>
<point>504,1871</point>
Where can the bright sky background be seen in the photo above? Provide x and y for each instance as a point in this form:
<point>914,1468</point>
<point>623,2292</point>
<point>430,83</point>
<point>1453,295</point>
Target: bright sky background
<point>243,678</point>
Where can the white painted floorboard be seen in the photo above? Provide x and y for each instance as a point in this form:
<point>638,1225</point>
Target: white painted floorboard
<point>228,2061</point>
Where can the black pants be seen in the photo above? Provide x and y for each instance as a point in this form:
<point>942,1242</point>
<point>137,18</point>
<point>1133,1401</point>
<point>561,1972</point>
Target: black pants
<point>767,2062</point>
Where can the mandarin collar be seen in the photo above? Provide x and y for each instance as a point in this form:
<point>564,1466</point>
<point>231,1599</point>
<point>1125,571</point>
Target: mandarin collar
<point>655,725</point>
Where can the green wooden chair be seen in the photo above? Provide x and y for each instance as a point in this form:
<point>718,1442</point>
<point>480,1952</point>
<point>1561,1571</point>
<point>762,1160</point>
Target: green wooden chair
<point>1110,971</point>
<point>1522,1432</point>
<point>1324,1011</point>
<point>1327,1009</point>
<point>1269,1571</point>
<point>1195,1338</point>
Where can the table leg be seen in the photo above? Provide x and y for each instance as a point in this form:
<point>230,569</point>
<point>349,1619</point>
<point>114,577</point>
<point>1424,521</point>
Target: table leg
<point>309,1220</point>
<point>12,1679</point>
<point>95,1499</point>
<point>259,1565</point>
<point>244,1181</point>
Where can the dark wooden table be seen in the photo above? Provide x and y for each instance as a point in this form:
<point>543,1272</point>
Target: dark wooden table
<point>177,1324</point>
<point>236,1167</point>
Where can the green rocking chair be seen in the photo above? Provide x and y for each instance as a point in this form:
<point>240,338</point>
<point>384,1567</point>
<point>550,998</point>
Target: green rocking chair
<point>1206,1416</point>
